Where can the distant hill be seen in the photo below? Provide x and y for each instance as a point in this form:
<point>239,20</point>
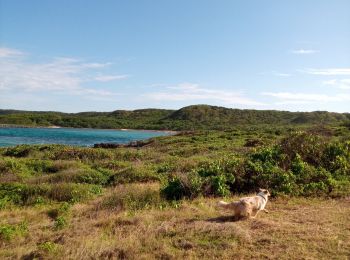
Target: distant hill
<point>187,118</point>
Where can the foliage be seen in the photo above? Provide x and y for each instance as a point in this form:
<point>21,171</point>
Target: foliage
<point>132,174</point>
<point>25,194</point>
<point>8,231</point>
<point>49,247</point>
<point>42,184</point>
<point>209,178</point>
<point>187,118</point>
<point>299,162</point>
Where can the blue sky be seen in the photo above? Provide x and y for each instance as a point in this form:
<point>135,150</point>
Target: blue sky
<point>77,55</point>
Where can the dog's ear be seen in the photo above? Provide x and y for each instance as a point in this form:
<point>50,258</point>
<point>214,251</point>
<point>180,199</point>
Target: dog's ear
<point>261,190</point>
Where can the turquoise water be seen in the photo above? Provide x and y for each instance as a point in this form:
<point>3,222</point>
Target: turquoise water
<point>71,136</point>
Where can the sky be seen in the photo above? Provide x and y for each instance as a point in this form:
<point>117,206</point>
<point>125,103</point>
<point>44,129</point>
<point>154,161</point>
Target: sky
<point>104,55</point>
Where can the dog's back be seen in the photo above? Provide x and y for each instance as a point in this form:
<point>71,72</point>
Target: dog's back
<point>248,206</point>
<point>239,208</point>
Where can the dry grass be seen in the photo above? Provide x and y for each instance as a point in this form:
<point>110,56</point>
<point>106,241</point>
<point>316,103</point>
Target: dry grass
<point>295,228</point>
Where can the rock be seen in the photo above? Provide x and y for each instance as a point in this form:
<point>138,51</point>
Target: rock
<point>131,144</point>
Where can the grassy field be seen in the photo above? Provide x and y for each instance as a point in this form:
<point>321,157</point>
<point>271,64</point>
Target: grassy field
<point>295,228</point>
<point>159,201</point>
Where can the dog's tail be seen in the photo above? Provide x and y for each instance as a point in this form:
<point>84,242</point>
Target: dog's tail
<point>224,204</point>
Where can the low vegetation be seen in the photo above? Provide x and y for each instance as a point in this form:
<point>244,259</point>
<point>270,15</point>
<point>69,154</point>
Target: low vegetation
<point>188,118</point>
<point>158,201</point>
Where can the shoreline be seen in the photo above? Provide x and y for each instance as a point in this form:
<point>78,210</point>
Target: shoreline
<point>84,128</point>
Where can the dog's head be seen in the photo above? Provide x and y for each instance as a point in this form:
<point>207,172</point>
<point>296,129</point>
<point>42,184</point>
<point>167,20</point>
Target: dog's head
<point>265,192</point>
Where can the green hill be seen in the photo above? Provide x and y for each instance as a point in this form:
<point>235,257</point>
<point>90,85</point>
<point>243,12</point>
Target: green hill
<point>187,118</point>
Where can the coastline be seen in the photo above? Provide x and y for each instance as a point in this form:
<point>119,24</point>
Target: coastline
<point>173,132</point>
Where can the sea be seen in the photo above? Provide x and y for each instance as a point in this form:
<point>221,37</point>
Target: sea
<point>12,136</point>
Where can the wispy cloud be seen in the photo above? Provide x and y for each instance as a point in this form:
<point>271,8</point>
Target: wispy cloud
<point>276,73</point>
<point>283,74</point>
<point>294,98</point>
<point>338,83</point>
<point>196,93</point>
<point>107,78</point>
<point>304,51</point>
<point>327,72</point>
<point>7,52</point>
<point>63,74</point>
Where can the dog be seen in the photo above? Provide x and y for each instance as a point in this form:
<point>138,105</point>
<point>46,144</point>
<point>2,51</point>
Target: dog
<point>248,207</point>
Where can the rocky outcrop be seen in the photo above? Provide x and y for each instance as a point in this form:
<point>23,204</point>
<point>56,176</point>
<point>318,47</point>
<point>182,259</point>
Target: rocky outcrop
<point>131,144</point>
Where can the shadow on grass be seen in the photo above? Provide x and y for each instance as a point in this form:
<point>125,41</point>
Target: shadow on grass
<point>223,219</point>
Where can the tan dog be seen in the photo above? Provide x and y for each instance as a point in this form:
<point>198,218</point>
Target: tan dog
<point>248,207</point>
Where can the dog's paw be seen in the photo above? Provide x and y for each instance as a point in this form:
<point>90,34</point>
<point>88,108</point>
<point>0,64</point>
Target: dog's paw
<point>266,211</point>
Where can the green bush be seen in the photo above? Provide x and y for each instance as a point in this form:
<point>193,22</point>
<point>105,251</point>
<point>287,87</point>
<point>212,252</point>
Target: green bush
<point>294,166</point>
<point>133,174</point>
<point>40,166</point>
<point>60,222</point>
<point>8,232</point>
<point>214,178</point>
<point>13,192</point>
<point>49,247</point>
<point>24,168</point>
<point>267,175</point>
<point>15,169</point>
<point>82,174</point>
<point>18,151</point>
<point>176,189</point>
<point>310,148</point>
<point>336,158</point>
<point>218,176</point>
<point>91,176</point>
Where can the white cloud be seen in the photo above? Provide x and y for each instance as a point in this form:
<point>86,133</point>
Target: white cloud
<point>328,72</point>
<point>95,65</point>
<point>107,78</point>
<point>62,74</point>
<point>276,73</point>
<point>195,93</point>
<point>330,82</point>
<point>283,74</point>
<point>7,52</point>
<point>304,51</point>
<point>293,98</point>
<point>338,83</point>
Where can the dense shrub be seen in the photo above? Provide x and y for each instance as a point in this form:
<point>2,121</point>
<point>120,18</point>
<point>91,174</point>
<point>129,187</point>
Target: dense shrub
<point>12,193</point>
<point>133,174</point>
<point>214,178</point>
<point>93,176</point>
<point>310,148</point>
<point>182,186</point>
<point>336,158</point>
<point>300,164</point>
<point>12,167</point>
<point>218,176</point>
<point>18,151</point>
<point>24,168</point>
